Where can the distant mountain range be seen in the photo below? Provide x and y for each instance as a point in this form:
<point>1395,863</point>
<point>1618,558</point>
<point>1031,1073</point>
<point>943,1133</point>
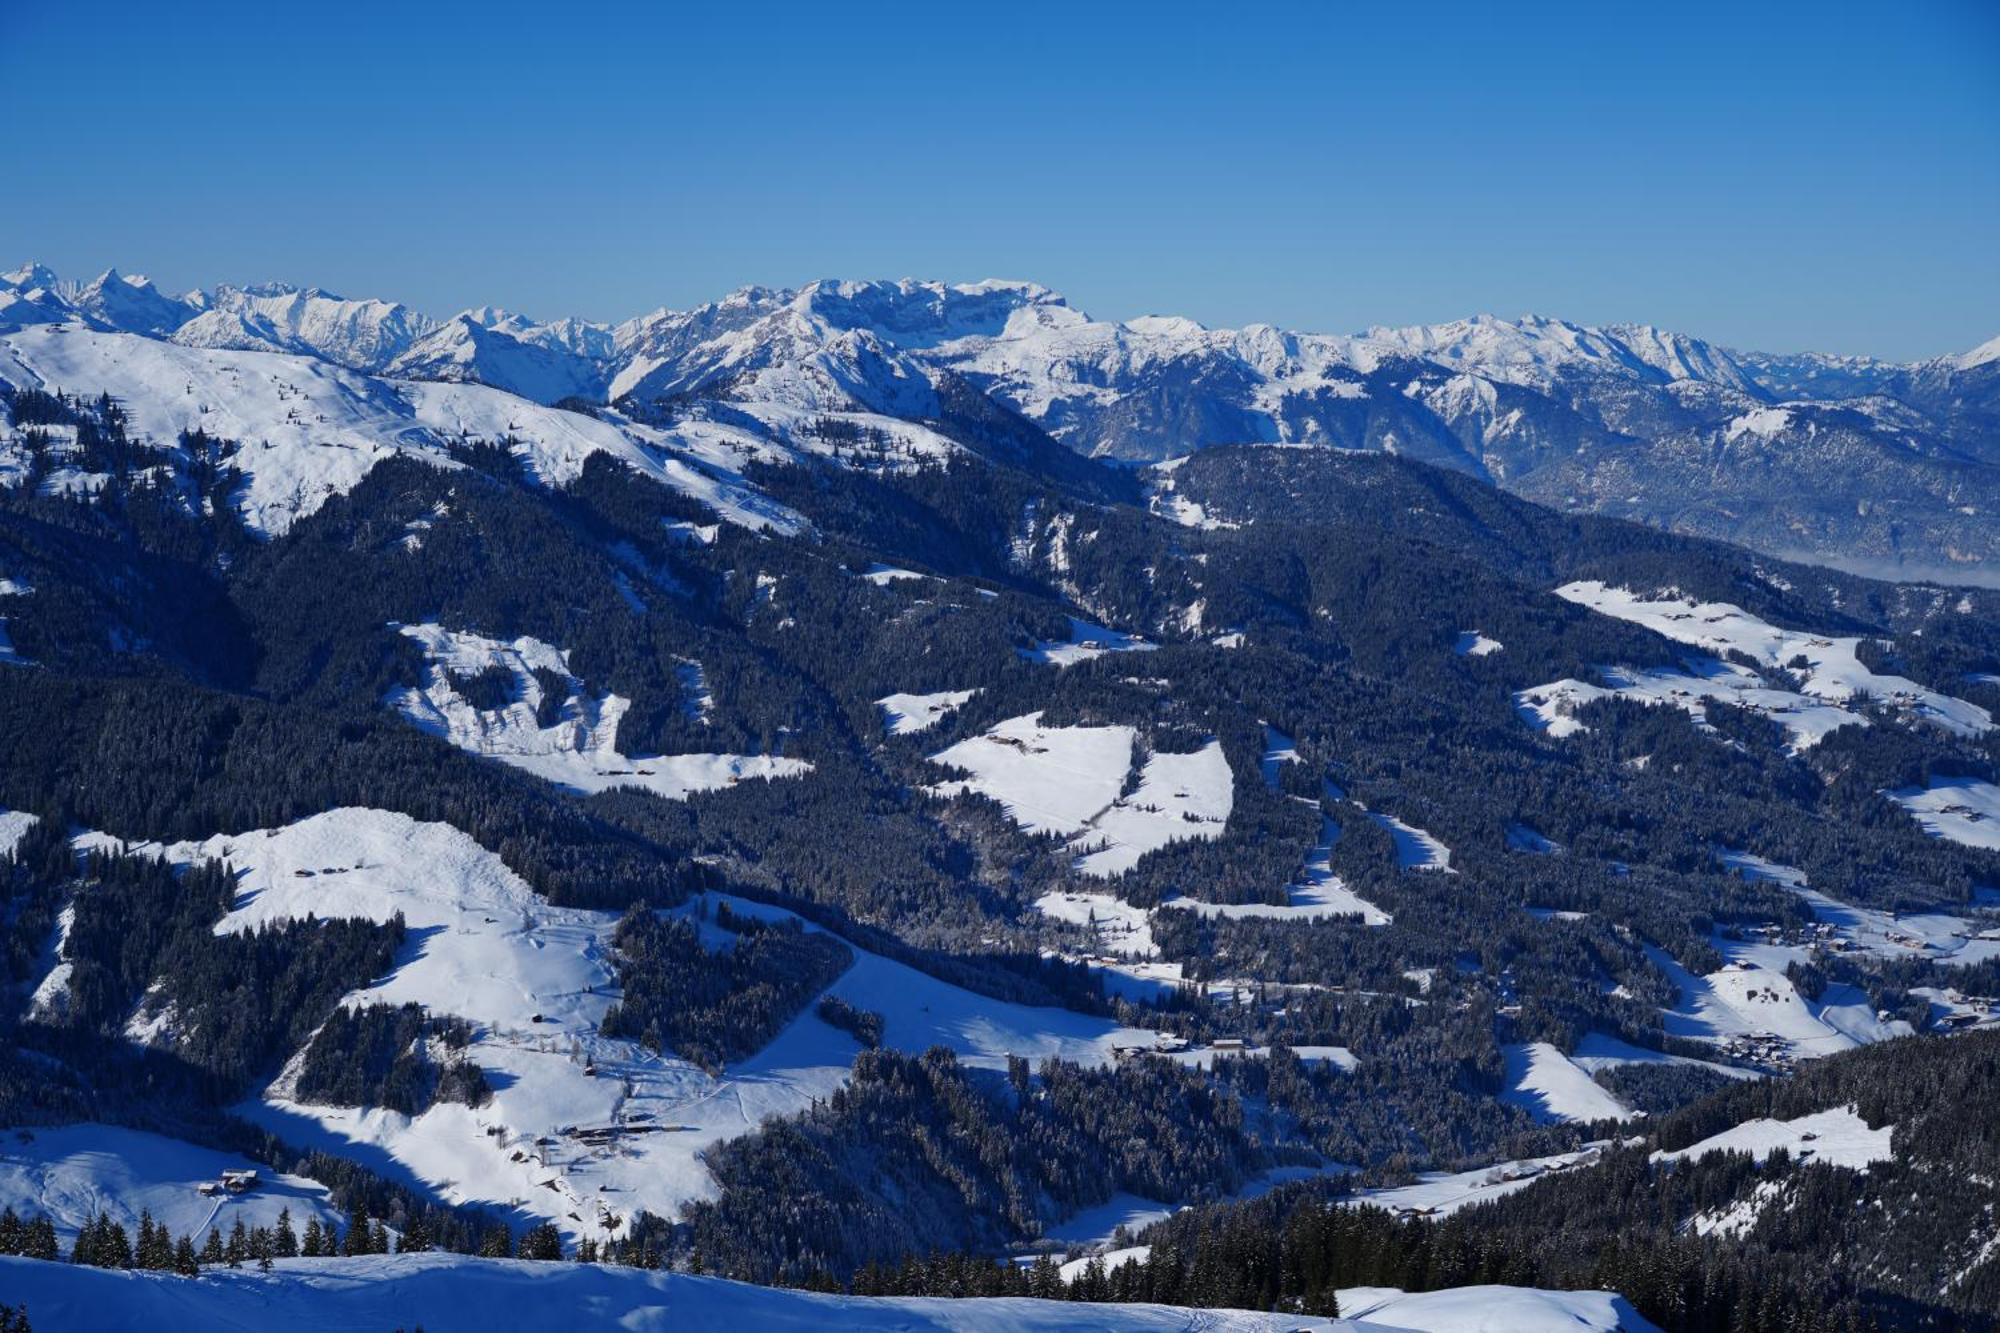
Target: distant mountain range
<point>1890,466</point>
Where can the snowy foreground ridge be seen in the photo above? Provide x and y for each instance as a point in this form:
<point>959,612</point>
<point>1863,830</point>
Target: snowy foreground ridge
<point>455,1294</point>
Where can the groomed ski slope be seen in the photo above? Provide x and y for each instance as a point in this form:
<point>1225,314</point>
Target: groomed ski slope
<point>454,1294</point>
<point>579,750</point>
<point>535,981</point>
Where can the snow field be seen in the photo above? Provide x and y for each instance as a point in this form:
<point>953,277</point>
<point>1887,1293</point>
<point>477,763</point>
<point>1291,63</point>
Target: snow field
<point>309,430</point>
<point>71,1173</point>
<point>1072,780</point>
<point>908,714</point>
<point>1086,642</point>
<point>1839,1137</point>
<point>457,1294</point>
<point>1961,810</point>
<point>1542,1081</point>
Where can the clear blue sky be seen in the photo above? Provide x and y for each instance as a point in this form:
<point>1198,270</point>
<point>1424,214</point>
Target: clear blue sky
<point>1769,175</point>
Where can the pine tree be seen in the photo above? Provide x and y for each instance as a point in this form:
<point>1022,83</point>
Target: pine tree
<point>287,1239</point>
<point>357,1232</point>
<point>211,1249</point>
<point>184,1260</point>
<point>314,1244</point>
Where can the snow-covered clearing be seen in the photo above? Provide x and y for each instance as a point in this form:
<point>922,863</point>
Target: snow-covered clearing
<point>1542,1081</point>
<point>1279,750</point>
<point>882,575</point>
<point>1831,667</point>
<point>1179,796</point>
<point>1940,936</point>
<point>1439,1193</point>
<point>1415,849</point>
<point>448,1293</point>
<point>72,1173</point>
<point>1073,780</point>
<point>907,714</point>
<point>578,750</point>
<point>1050,779</point>
<point>1119,928</point>
<point>535,981</point>
<point>14,825</point>
<point>1086,642</point>
<point>1839,1137</point>
<point>1961,810</point>
<point>1751,1008</point>
<point>1599,1051</point>
<point>1471,643</point>
<point>1553,707</point>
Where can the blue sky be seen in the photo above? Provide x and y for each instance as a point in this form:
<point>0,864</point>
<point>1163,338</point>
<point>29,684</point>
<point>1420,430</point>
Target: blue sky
<point>1769,175</point>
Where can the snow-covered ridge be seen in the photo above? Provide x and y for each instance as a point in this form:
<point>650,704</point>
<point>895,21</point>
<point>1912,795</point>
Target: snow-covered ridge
<point>577,749</point>
<point>308,430</point>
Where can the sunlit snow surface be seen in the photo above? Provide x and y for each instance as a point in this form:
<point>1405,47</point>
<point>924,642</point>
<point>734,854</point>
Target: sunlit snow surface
<point>579,750</point>
<point>907,714</point>
<point>446,1293</point>
<point>1072,781</point>
<point>72,1173</point>
<point>1542,1081</point>
<point>1839,1137</point>
<point>1962,810</point>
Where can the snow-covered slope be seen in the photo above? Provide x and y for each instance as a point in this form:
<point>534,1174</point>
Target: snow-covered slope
<point>307,430</point>
<point>1542,1081</point>
<point>1839,1137</point>
<point>1829,667</point>
<point>361,335</point>
<point>455,1294</point>
<point>535,982</point>
<point>1963,810</point>
<point>464,350</point>
<point>72,1173</point>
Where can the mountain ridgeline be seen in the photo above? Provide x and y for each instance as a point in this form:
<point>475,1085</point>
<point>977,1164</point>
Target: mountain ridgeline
<point>1884,466</point>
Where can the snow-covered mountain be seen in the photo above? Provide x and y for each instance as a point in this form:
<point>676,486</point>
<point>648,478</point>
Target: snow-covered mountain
<point>508,353</point>
<point>1798,454</point>
<point>276,317</point>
